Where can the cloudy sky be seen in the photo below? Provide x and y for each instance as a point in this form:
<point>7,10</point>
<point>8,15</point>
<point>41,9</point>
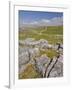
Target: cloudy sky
<point>37,18</point>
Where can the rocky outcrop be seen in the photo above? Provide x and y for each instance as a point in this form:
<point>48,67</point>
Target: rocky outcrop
<point>41,64</point>
<point>30,54</point>
<point>42,43</point>
<point>57,71</point>
<point>26,55</point>
<point>49,67</point>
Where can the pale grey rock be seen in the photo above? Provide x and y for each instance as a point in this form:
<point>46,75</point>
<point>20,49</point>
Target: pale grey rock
<point>27,54</point>
<point>30,55</point>
<point>24,58</point>
<point>29,41</point>
<point>34,52</point>
<point>42,43</point>
<point>41,63</point>
<point>50,66</point>
<point>50,46</point>
<point>55,47</point>
<point>60,59</point>
<point>22,68</point>
<point>57,71</point>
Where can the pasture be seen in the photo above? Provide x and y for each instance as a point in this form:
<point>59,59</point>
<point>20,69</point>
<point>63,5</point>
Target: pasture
<point>53,34</point>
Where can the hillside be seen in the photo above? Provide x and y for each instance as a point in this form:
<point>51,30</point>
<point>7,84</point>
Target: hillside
<point>51,33</point>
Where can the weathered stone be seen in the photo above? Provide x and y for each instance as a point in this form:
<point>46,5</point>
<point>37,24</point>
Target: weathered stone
<point>60,59</point>
<point>41,63</point>
<point>27,54</point>
<point>22,68</point>
<point>50,66</point>
<point>34,52</point>
<point>31,55</point>
<point>42,43</point>
<point>24,58</point>
<point>53,69</point>
<point>57,71</point>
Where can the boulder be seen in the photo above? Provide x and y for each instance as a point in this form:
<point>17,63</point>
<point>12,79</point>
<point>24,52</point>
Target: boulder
<point>43,44</point>
<point>24,58</point>
<point>49,67</point>
<point>41,63</point>
<point>57,71</point>
<point>27,54</point>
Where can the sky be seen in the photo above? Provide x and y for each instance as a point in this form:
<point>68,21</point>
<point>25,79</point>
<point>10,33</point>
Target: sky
<point>40,18</point>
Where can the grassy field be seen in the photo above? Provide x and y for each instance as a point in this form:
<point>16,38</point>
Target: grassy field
<point>30,72</point>
<point>52,34</point>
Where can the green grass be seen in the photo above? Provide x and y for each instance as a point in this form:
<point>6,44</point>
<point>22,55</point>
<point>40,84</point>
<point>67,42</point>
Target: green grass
<point>53,34</point>
<point>50,53</point>
<point>54,30</point>
<point>29,73</point>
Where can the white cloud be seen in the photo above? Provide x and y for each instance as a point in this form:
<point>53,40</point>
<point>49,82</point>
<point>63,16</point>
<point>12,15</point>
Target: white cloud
<point>34,22</point>
<point>56,21</point>
<point>52,22</point>
<point>46,22</point>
